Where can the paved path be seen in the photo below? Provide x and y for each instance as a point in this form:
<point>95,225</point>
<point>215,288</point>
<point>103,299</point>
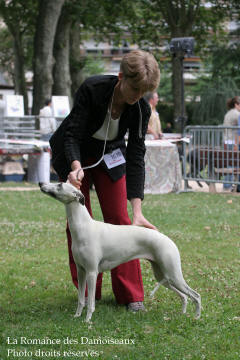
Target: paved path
<point>205,188</point>
<point>194,185</point>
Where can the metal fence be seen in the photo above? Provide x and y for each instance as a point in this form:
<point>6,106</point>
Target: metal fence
<point>26,127</point>
<point>212,155</point>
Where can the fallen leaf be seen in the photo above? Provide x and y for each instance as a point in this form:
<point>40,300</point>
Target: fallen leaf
<point>166,318</point>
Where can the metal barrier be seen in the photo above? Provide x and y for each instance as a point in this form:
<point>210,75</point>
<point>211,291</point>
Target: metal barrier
<point>19,127</point>
<point>25,127</point>
<point>212,155</point>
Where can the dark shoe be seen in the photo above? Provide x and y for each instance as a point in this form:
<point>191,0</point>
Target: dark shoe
<point>136,306</point>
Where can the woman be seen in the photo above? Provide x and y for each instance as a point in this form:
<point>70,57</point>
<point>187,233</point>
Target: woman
<point>154,130</point>
<point>230,136</point>
<point>105,108</point>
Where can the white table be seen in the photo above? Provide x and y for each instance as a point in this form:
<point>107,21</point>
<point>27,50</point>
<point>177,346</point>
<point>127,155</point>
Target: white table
<point>38,152</point>
<point>162,167</point>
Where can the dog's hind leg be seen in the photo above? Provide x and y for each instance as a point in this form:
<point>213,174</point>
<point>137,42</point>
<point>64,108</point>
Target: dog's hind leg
<point>183,297</point>
<point>196,298</point>
<point>158,276</point>
<point>157,287</point>
<point>186,290</point>
<point>81,290</point>
<point>91,282</point>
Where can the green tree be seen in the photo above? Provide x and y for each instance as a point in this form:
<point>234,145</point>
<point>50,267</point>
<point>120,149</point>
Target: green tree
<point>100,18</point>
<point>6,53</point>
<point>75,16</point>
<point>19,17</point>
<point>157,21</point>
<point>61,54</point>
<point>211,108</point>
<point>48,14</point>
<point>223,74</point>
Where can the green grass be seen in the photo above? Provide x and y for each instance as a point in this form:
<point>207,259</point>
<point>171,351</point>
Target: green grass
<point>38,299</point>
<point>21,184</point>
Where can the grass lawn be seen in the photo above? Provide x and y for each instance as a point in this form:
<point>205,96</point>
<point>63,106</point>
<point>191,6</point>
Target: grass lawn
<point>38,299</point>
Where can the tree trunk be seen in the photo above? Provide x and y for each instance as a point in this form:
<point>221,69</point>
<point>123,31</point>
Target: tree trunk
<point>76,63</point>
<point>178,94</point>
<point>49,12</point>
<point>177,84</point>
<point>19,72</point>
<point>61,73</point>
<point>19,68</point>
<point>179,15</point>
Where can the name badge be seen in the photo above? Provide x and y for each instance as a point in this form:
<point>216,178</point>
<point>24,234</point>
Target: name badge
<point>114,159</point>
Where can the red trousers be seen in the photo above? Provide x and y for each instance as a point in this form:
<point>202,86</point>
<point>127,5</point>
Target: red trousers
<point>126,278</point>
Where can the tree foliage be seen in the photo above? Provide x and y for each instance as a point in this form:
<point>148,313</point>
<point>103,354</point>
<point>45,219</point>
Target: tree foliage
<point>223,80</point>
<point>149,23</point>
<point>6,53</point>
<point>19,16</point>
<point>214,95</point>
<point>157,21</point>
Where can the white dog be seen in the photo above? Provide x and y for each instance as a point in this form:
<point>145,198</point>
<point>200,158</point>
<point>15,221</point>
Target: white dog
<point>97,246</point>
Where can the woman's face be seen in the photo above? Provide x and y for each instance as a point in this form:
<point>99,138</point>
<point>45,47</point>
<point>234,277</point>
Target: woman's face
<point>129,91</point>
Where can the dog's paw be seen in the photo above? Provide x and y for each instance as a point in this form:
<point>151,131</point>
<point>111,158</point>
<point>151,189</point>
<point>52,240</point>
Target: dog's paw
<point>87,320</point>
<point>78,314</point>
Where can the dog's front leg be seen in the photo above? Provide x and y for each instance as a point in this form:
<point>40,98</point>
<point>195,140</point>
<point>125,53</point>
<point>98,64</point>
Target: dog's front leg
<point>81,273</point>
<point>91,282</point>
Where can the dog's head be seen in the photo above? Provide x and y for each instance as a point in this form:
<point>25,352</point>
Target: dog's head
<point>64,192</point>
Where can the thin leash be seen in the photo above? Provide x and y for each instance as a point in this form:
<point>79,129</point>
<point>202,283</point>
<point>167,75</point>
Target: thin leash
<point>105,140</point>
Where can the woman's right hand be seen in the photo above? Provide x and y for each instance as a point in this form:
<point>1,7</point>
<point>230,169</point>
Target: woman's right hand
<point>75,177</point>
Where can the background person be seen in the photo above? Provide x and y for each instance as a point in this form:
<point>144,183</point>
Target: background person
<point>168,129</point>
<point>115,102</point>
<point>47,121</point>
<point>231,136</point>
<point>154,125</point>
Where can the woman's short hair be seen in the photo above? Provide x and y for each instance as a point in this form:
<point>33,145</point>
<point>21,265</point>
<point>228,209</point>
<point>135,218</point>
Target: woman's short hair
<point>142,68</point>
<point>231,102</point>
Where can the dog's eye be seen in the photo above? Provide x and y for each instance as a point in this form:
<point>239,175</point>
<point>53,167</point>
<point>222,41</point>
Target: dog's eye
<point>59,186</point>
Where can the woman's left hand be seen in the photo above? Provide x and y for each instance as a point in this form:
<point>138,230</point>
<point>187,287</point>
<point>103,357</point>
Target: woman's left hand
<point>139,220</point>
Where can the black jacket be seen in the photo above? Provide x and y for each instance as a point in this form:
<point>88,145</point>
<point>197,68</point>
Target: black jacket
<point>73,139</point>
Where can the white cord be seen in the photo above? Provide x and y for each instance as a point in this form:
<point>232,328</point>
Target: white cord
<point>105,141</point>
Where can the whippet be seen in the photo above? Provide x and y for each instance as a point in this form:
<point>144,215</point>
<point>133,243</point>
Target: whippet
<point>97,247</point>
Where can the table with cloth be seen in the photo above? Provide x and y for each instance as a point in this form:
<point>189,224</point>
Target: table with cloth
<point>162,167</point>
<point>38,154</point>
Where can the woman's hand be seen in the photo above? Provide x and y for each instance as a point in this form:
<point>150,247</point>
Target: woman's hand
<point>75,177</point>
<point>140,220</point>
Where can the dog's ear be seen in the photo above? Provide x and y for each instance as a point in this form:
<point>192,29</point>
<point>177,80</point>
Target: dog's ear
<point>80,197</point>
<point>59,186</point>
<point>82,200</point>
